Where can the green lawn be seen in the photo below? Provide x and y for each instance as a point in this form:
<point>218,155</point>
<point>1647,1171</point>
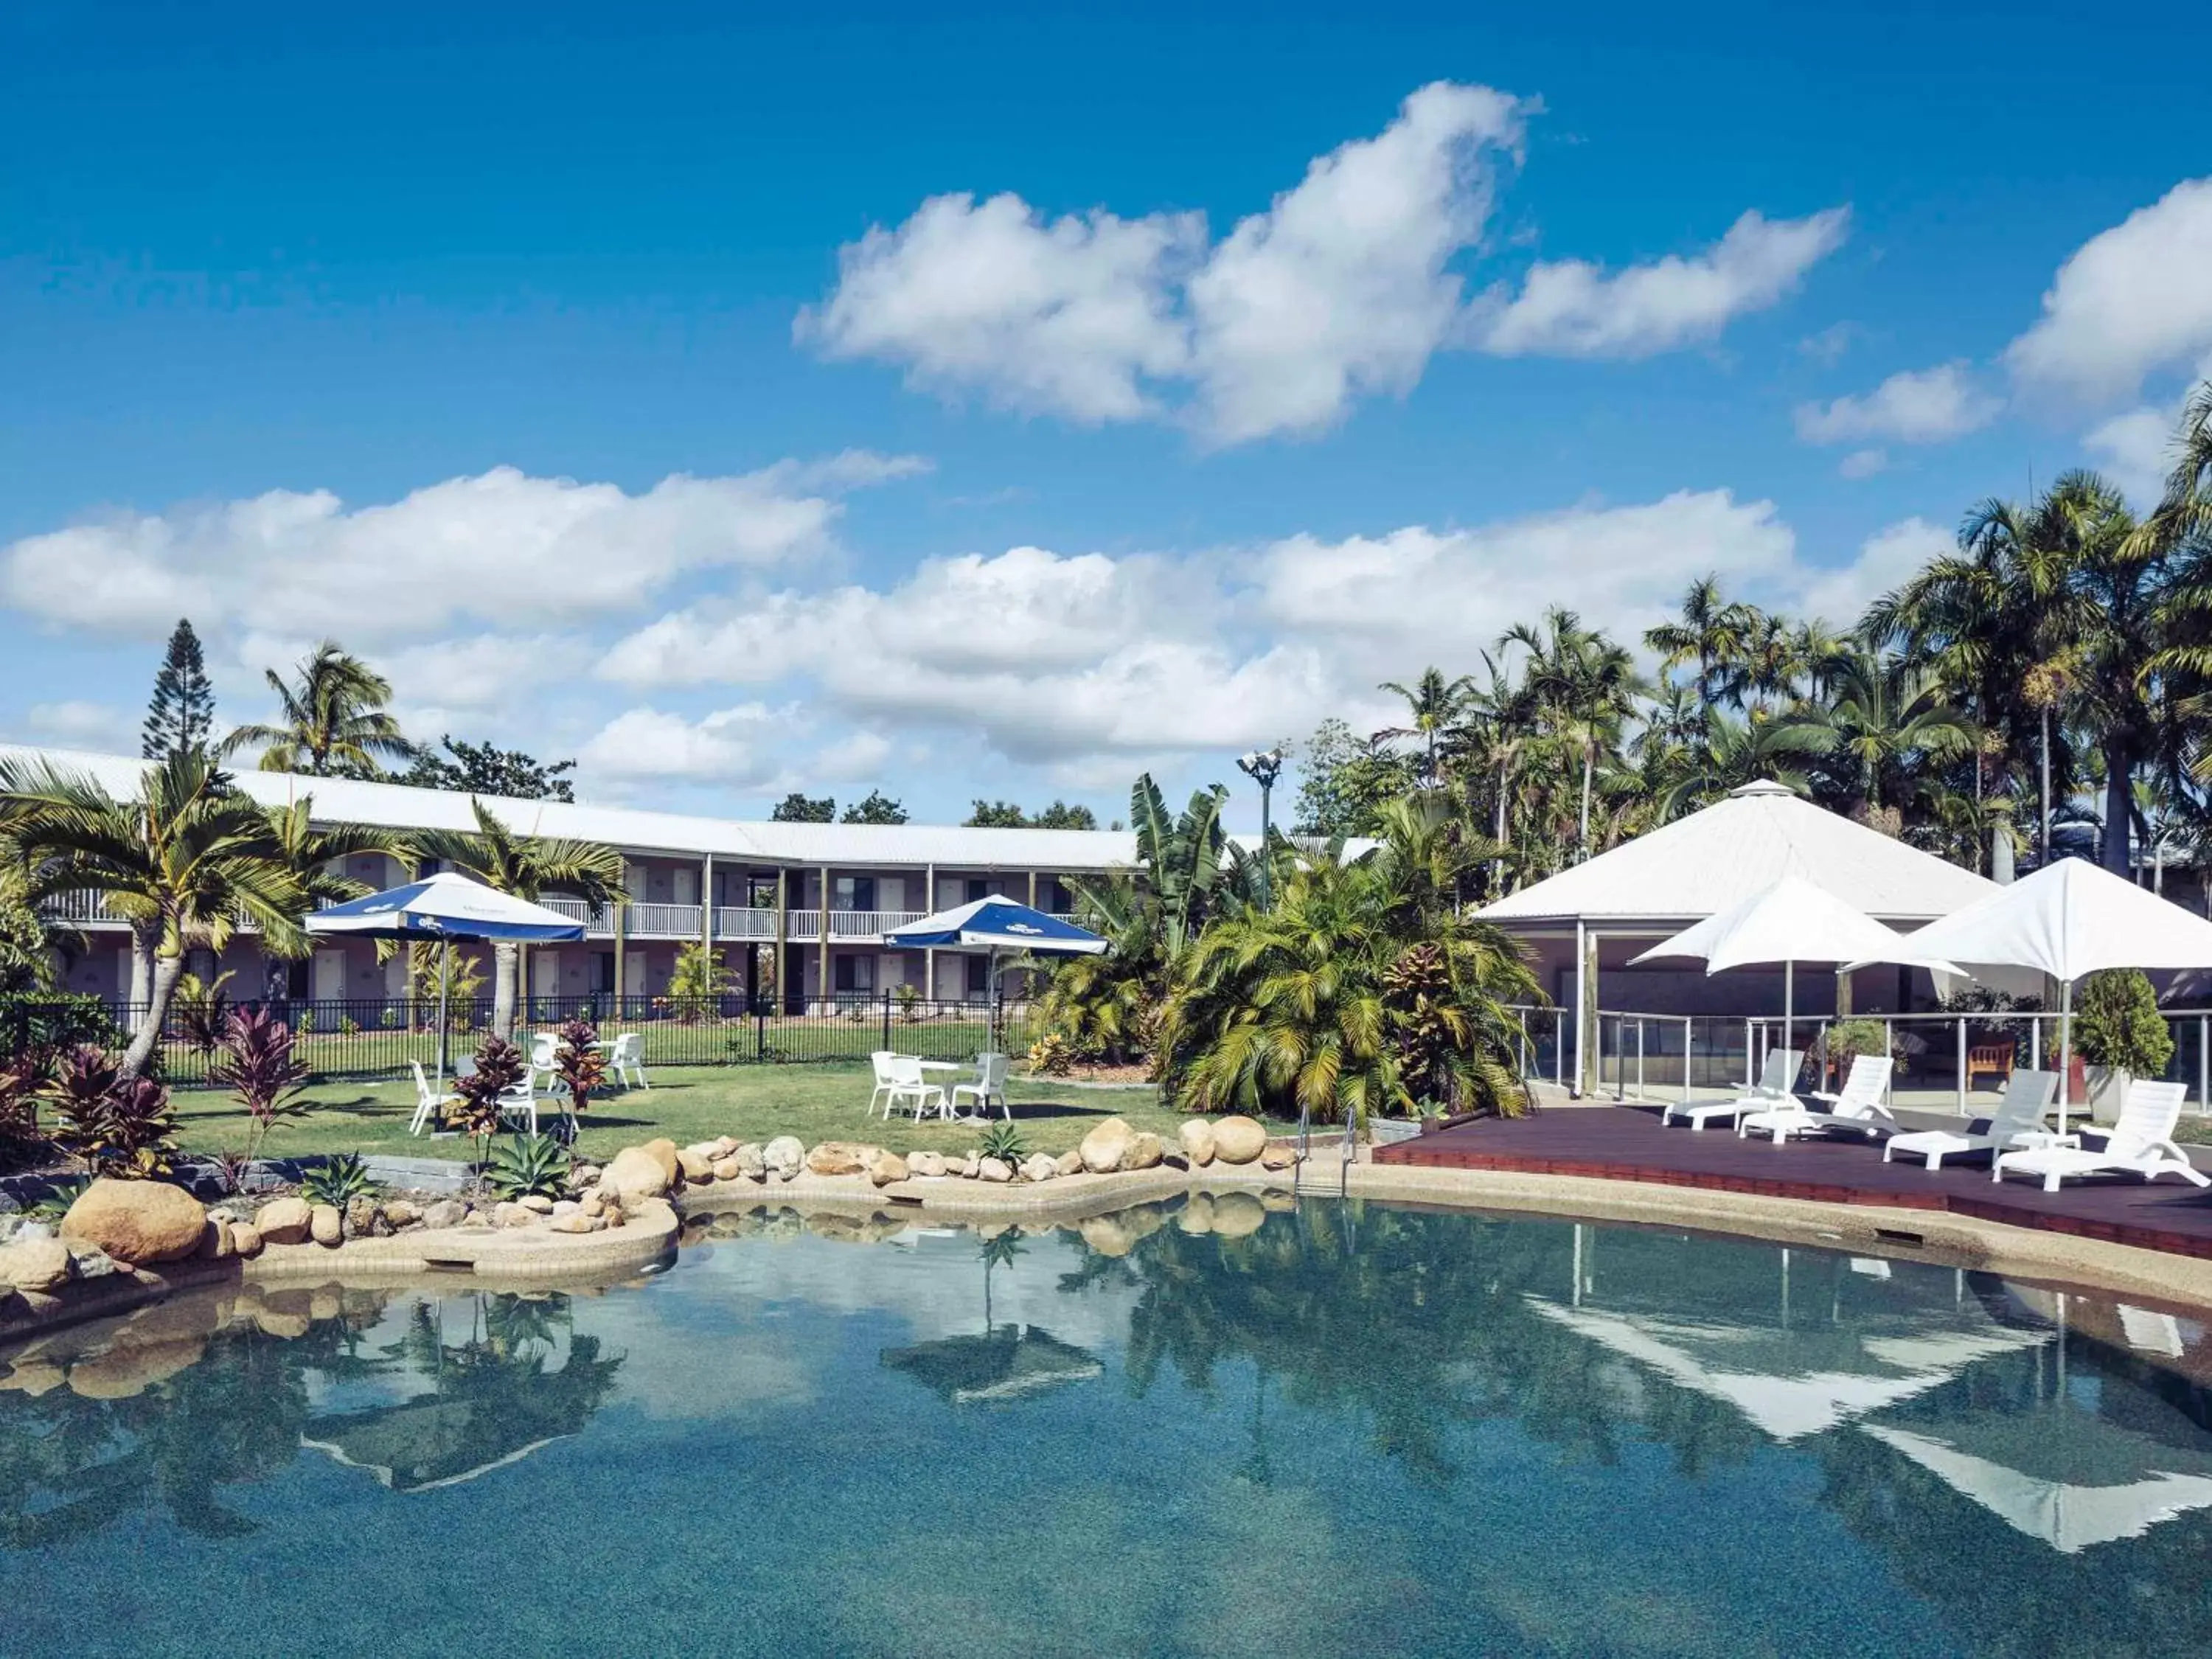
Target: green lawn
<point>686,1103</point>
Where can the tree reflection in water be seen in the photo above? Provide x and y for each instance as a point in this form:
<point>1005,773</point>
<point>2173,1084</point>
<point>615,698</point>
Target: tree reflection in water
<point>73,1463</point>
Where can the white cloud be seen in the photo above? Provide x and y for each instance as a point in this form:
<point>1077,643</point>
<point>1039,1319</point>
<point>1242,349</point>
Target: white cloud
<point>1572,309</point>
<point>75,723</point>
<point>728,746</point>
<point>2129,302</point>
<point>1340,286</point>
<point>1919,406</point>
<point>1862,464</point>
<point>505,549</point>
<point>1886,559</point>
<point>1344,287</point>
<point>2135,450</point>
<point>1093,660</point>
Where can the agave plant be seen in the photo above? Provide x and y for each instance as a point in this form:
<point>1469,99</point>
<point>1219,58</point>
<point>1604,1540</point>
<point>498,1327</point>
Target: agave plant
<point>1004,1142</point>
<point>528,1164</point>
<point>341,1178</point>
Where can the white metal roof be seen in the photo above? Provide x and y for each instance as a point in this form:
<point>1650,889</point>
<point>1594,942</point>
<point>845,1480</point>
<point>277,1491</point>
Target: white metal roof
<point>397,806</point>
<point>1719,857</point>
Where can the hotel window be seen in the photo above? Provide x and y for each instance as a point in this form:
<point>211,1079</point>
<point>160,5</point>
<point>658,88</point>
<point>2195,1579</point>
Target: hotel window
<point>852,973</point>
<point>855,893</point>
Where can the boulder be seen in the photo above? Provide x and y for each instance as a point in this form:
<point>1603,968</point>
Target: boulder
<point>971,1165</point>
<point>1237,1215</point>
<point>129,1369</point>
<point>994,1169</point>
<point>1278,1200</point>
<point>400,1212</point>
<point>91,1262</point>
<point>35,1377</point>
<point>445,1212</point>
<point>535,1202</point>
<point>636,1172</point>
<point>1279,1157</point>
<point>578,1222</point>
<point>284,1221</point>
<point>1069,1162</point>
<point>664,1150</point>
<point>726,1169</point>
<point>136,1221</point>
<point>594,1204</point>
<point>723,1147</point>
<point>884,1167</point>
<point>513,1215</point>
<point>1104,1148</point>
<point>835,1157</point>
<point>244,1239</point>
<point>1239,1140</point>
<point>1196,1139</point>
<point>215,1241</point>
<point>1144,1151</point>
<point>751,1165</point>
<point>783,1156</point>
<point>325,1224</point>
<point>1039,1168</point>
<point>1196,1215</point>
<point>929,1165</point>
<point>697,1163</point>
<point>36,1264</point>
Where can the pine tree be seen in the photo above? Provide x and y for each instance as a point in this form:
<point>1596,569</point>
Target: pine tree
<point>182,713</point>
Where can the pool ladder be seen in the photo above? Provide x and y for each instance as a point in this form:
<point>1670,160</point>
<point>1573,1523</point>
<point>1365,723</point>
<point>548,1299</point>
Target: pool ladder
<point>1350,1154</point>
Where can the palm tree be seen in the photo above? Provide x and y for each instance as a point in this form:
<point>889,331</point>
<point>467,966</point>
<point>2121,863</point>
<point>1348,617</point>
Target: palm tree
<point>527,866</point>
<point>1435,705</point>
<point>181,865</point>
<point>333,720</point>
<point>1366,989</point>
<point>1712,633</point>
<point>1729,753</point>
<point>1883,712</point>
<point>316,855</point>
<point>1586,686</point>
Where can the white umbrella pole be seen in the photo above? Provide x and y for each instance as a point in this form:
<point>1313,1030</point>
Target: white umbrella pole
<point>1789,1002</point>
<point>2065,1047</point>
<point>445,1025</point>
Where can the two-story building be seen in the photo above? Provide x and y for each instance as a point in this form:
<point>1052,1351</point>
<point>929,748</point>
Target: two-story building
<point>796,912</point>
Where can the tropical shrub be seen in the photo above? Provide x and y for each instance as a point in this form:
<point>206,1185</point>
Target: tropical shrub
<point>909,1004</point>
<point>337,1181</point>
<point>200,1011</point>
<point>526,1165</point>
<point>115,1125</point>
<point>258,1064</point>
<point>25,1078</point>
<point>578,1064</point>
<point>474,1111</point>
<point>701,978</point>
<point>2116,1024</point>
<point>1004,1142</point>
<point>1052,1055</point>
<point>52,1206</point>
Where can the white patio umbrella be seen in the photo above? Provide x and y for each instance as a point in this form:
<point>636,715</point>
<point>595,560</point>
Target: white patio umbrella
<point>444,907</point>
<point>1791,920</point>
<point>2067,920</point>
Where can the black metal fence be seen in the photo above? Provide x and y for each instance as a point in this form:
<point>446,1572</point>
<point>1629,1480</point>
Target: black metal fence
<point>377,1037</point>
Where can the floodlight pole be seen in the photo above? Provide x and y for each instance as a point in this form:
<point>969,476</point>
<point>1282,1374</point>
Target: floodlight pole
<point>1263,768</point>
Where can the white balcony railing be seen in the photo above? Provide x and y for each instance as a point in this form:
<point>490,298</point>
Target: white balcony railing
<point>869,924</point>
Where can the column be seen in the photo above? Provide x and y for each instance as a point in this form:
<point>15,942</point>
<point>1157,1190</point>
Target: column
<point>928,907</point>
<point>1581,960</point>
<point>618,918</point>
<point>782,935</point>
<point>822,918</point>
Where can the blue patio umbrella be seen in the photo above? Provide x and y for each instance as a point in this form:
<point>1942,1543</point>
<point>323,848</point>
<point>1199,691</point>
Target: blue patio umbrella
<point>995,925</point>
<point>446,907</point>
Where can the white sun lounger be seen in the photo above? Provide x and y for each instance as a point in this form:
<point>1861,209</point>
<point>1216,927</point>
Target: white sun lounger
<point>1858,1108</point>
<point>2017,1121</point>
<point>2140,1144</point>
<point>1772,1089</point>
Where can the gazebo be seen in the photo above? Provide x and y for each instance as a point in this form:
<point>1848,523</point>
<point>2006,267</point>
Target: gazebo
<point>1651,888</point>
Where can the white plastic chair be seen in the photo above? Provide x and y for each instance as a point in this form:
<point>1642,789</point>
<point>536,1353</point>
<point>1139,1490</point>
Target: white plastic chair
<point>520,1101</point>
<point>627,1059</point>
<point>1858,1108</point>
<point>2141,1143</point>
<point>1776,1077</point>
<point>880,1060</point>
<point>990,1084</point>
<point>2017,1121</point>
<point>908,1088</point>
<point>427,1103</point>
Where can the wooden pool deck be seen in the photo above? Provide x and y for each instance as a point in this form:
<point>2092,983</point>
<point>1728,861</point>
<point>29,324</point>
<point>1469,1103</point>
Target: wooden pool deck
<point>1626,1143</point>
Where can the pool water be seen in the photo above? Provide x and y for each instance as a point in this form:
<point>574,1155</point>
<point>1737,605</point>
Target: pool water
<point>1340,1430</point>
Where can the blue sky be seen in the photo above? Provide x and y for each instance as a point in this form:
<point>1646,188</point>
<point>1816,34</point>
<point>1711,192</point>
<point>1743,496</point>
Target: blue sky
<point>996,403</point>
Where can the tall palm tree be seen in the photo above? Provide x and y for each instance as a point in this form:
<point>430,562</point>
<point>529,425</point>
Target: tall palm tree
<point>1883,715</point>
<point>527,866</point>
<point>316,855</point>
<point>1729,753</point>
<point>1434,705</point>
<point>1585,684</point>
<point>1712,633</point>
<point>333,720</point>
<point>181,864</point>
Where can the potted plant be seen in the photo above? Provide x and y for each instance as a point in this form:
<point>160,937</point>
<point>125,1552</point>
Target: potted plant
<point>2120,1035</point>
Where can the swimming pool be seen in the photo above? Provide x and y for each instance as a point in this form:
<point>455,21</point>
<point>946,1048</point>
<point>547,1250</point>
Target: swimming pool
<point>1340,1430</point>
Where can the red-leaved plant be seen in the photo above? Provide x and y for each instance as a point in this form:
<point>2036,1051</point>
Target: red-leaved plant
<point>117,1126</point>
<point>257,1061</point>
<point>578,1064</point>
<point>475,1109</point>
